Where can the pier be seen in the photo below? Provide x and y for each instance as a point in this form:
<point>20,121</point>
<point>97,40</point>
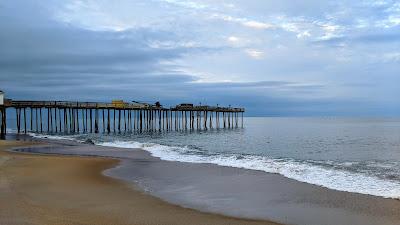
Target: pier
<point>116,116</point>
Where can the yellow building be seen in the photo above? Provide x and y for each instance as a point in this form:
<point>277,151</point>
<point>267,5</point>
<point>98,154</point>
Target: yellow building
<point>119,103</point>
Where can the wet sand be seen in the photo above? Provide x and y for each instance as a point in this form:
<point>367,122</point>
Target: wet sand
<point>48,189</point>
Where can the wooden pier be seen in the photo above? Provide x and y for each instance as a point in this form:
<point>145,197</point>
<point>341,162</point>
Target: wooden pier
<point>117,116</point>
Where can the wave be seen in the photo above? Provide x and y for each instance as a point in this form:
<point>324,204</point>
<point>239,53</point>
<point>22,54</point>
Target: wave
<point>54,137</point>
<point>311,172</point>
<point>322,173</point>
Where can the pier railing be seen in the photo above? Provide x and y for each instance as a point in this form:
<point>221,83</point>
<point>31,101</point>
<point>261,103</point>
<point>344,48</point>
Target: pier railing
<point>103,105</point>
<point>71,104</point>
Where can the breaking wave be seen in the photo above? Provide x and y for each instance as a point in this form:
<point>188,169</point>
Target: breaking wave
<point>327,174</point>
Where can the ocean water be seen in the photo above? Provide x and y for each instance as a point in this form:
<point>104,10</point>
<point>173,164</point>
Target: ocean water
<point>345,154</point>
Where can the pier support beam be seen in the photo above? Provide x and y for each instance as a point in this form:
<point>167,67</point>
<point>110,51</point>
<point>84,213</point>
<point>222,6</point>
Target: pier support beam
<point>3,126</point>
<point>25,120</point>
<point>77,120</point>
<point>108,121</point>
<point>91,120</point>
<point>17,112</point>
<point>59,116</point>
<point>124,120</point>
<point>48,120</point>
<point>83,120</point>
<point>51,119</point>
<point>41,124</point>
<point>119,121</point>
<point>96,121</point>
<point>104,125</point>
<point>31,118</point>
<point>160,116</point>
<point>55,119</point>
<point>65,120</point>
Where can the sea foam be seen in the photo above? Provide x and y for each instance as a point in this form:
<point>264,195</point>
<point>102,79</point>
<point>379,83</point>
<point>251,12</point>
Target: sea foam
<point>305,171</point>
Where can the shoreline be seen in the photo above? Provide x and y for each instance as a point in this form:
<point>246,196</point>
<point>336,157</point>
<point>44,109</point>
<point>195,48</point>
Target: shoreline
<point>235,192</point>
<point>84,195</point>
<point>340,176</point>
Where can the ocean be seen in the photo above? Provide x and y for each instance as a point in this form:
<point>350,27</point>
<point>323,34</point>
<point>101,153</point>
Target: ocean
<point>360,155</point>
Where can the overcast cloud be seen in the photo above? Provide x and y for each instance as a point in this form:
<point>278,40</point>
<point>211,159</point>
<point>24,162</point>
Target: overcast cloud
<point>276,58</point>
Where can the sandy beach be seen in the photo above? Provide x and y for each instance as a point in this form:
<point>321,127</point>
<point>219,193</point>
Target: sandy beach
<point>43,189</point>
<point>222,190</point>
<point>45,181</point>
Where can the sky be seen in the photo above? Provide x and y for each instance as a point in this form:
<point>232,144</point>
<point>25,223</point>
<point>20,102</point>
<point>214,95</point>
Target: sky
<point>275,58</point>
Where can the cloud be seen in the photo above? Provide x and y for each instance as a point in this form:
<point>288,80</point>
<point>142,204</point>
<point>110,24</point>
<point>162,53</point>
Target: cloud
<point>273,57</point>
<point>257,25</point>
<point>255,54</point>
<point>187,4</point>
<point>244,21</point>
<point>233,39</point>
<point>303,34</point>
<point>391,57</point>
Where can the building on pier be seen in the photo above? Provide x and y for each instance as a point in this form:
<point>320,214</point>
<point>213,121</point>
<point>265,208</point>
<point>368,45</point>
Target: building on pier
<point>187,105</point>
<point>119,103</point>
<point>3,119</point>
<point>140,104</point>
<point>1,97</point>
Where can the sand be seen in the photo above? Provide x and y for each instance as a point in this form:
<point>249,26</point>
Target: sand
<point>44,189</point>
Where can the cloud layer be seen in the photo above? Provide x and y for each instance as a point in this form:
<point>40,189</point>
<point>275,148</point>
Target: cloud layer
<point>272,57</point>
